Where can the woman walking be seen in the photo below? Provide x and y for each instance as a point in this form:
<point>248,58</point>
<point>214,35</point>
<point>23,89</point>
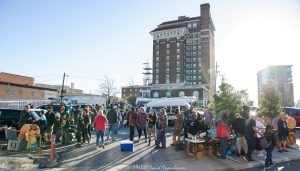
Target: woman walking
<point>142,123</point>
<point>100,122</point>
<point>152,118</point>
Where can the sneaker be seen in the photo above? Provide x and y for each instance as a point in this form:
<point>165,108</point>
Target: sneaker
<point>261,154</point>
<point>267,166</point>
<point>249,159</point>
<point>280,151</point>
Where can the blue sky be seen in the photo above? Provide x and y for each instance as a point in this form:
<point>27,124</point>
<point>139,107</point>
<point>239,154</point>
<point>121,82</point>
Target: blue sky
<point>90,39</point>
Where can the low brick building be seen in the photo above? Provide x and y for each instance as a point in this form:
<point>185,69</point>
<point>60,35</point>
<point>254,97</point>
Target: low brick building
<point>14,87</point>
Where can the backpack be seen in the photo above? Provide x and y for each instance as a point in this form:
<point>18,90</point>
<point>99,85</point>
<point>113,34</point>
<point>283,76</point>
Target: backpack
<point>263,142</point>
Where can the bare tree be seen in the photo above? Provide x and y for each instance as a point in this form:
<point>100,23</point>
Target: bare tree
<point>108,89</point>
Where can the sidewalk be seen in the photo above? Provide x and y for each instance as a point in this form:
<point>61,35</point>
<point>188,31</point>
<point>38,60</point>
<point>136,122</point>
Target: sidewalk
<point>88,157</point>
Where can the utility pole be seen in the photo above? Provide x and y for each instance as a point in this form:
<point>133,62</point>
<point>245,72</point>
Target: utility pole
<point>216,75</point>
<point>223,78</point>
<point>62,89</point>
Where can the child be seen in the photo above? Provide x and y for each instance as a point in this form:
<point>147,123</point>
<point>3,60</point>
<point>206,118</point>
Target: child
<point>272,143</point>
<point>222,134</point>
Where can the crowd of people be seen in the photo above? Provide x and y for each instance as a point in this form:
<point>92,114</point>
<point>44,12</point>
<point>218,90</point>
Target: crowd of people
<point>248,133</point>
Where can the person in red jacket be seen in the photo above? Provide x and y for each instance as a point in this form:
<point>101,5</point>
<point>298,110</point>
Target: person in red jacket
<point>100,122</point>
<point>222,134</point>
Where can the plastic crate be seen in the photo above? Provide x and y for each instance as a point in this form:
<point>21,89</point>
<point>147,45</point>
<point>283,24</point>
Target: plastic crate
<point>127,146</point>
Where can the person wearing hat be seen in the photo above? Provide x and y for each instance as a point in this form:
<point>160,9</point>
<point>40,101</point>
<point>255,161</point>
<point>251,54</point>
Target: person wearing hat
<point>64,123</point>
<point>50,121</point>
<point>283,132</point>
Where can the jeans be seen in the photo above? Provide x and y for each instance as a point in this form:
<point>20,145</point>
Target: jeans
<point>223,144</point>
<point>98,135</point>
<point>251,141</point>
<point>131,134</point>
<point>140,133</point>
<point>161,138</point>
<point>185,132</point>
<point>268,160</point>
<point>112,127</point>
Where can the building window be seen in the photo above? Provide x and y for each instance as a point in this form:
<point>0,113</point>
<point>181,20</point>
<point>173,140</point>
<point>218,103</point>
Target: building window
<point>178,45</point>
<point>157,53</point>
<point>199,77</point>
<point>167,70</point>
<point>157,59</point>
<point>194,53</point>
<point>194,59</point>
<point>188,60</point>
<point>178,57</point>
<point>188,54</point>
<point>157,65</point>
<point>168,94</point>
<point>189,26</point>
<point>157,41</point>
<point>130,90</point>
<point>157,71</point>
<point>194,26</point>
<point>32,93</point>
<point>167,64</point>
<point>157,79</point>
<point>194,65</point>
<point>168,58</point>
<point>196,94</point>
<point>194,77</point>
<point>178,70</point>
<point>188,65</point>
<point>181,94</point>
<point>124,90</point>
<point>155,94</point>
<point>157,47</point>
<point>168,52</point>
<point>10,91</point>
<point>168,45</point>
<point>168,39</point>
<point>178,51</point>
<point>178,38</point>
<point>178,63</point>
<point>194,71</point>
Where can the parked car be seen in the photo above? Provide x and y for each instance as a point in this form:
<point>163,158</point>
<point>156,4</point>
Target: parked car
<point>170,105</point>
<point>11,117</point>
<point>56,107</point>
<point>293,112</point>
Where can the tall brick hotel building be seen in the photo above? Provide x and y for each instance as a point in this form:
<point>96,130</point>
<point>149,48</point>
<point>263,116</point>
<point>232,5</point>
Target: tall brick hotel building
<point>184,57</point>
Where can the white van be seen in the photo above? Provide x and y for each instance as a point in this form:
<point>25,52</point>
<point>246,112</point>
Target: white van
<point>170,105</point>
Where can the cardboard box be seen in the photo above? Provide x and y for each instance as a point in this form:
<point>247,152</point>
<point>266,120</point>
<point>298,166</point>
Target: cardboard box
<point>13,145</point>
<point>127,145</point>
